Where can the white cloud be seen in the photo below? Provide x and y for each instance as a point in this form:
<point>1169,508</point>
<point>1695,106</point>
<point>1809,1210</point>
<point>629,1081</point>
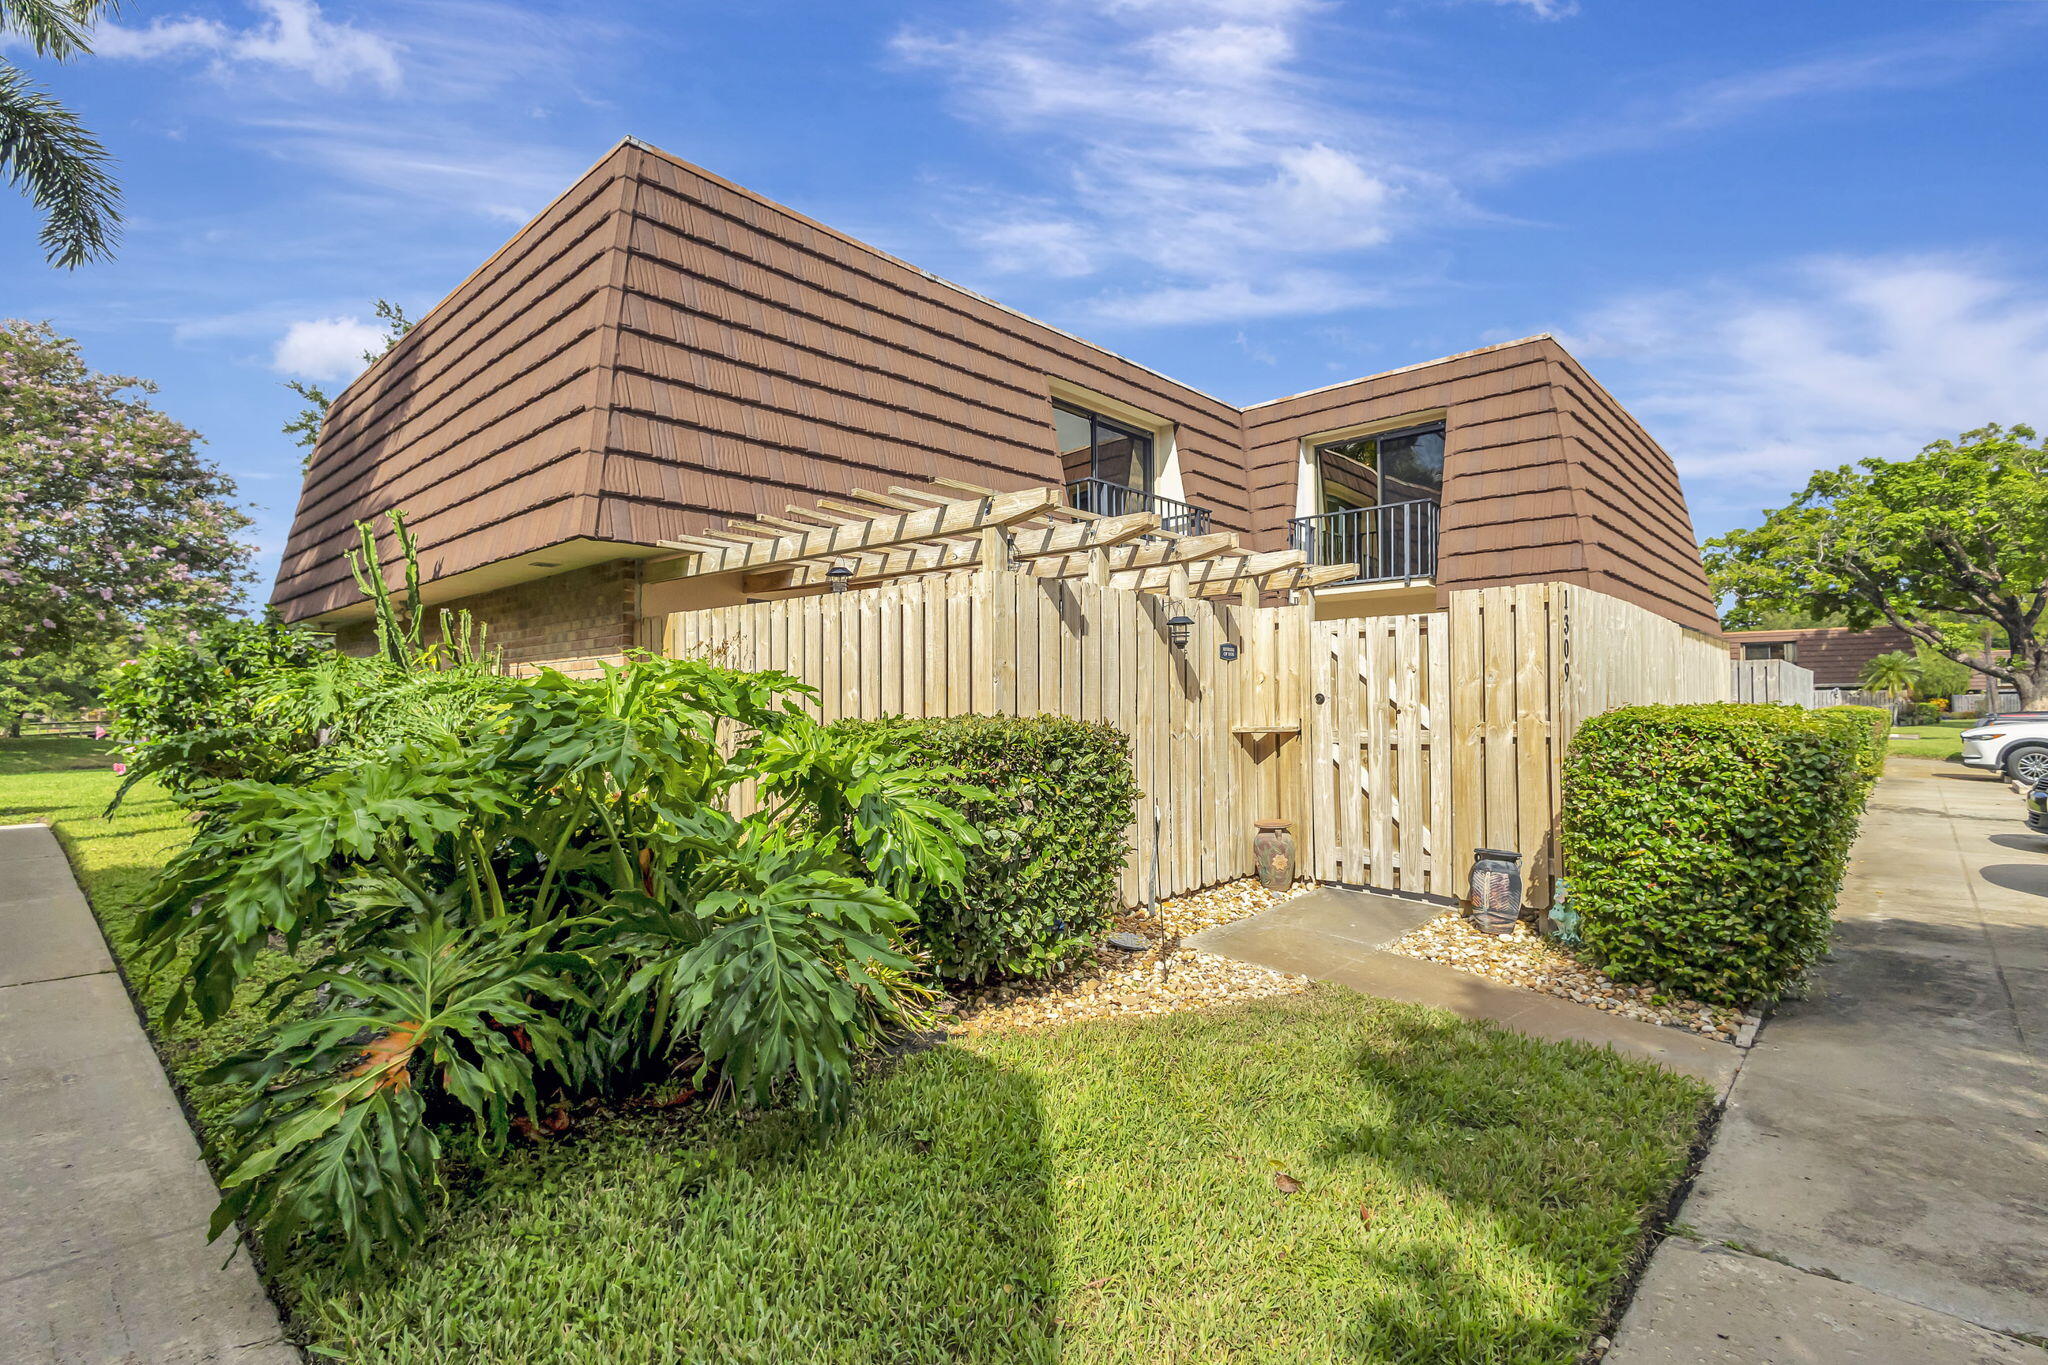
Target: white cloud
<point>1288,294</point>
<point>1914,60</point>
<point>331,349</point>
<point>1196,163</point>
<point>440,162</point>
<point>293,36</point>
<point>1752,383</point>
<point>1545,9</point>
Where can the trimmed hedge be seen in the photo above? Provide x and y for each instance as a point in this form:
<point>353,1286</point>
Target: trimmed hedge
<point>1041,886</point>
<point>1705,843</point>
<point>1869,727</point>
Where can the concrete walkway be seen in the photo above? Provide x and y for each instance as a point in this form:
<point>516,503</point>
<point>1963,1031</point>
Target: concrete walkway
<point>103,1198</point>
<point>1341,936</point>
<point>1878,1187</point>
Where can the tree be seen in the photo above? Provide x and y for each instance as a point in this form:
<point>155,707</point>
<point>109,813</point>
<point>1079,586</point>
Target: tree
<point>1892,675</point>
<point>1955,536</point>
<point>1939,676</point>
<point>305,428</point>
<point>44,149</point>
<point>109,514</point>
<point>62,680</point>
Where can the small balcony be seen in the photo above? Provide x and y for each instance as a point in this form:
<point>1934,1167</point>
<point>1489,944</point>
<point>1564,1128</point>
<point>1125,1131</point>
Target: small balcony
<point>1106,499</point>
<point>1390,543</point>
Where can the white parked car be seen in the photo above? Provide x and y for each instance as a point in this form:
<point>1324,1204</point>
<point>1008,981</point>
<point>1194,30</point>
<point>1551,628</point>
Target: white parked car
<point>2016,745</point>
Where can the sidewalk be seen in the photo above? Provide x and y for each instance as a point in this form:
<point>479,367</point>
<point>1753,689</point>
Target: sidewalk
<point>1341,936</point>
<point>103,1198</point>
<point>1878,1187</point>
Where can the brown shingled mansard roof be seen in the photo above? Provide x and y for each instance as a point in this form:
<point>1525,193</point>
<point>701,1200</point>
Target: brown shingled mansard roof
<point>660,352</point>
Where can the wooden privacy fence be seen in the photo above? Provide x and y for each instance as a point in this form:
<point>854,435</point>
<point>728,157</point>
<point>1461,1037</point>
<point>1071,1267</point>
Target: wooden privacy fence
<point>1000,643</point>
<point>1772,680</point>
<point>1394,744</point>
<point>1529,663</point>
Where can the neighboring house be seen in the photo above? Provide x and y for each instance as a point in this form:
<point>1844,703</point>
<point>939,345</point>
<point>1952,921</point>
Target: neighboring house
<point>1835,655</point>
<point>662,353</point>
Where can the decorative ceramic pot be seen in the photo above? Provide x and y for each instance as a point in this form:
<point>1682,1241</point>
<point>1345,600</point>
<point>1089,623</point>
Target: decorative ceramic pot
<point>1494,896</point>
<point>1273,853</point>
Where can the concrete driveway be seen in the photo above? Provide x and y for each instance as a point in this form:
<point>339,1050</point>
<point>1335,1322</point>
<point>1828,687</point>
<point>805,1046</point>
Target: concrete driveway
<point>1878,1189</point>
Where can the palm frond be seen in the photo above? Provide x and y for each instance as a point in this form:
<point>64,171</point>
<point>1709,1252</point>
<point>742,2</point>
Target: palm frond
<point>47,152</point>
<point>58,29</point>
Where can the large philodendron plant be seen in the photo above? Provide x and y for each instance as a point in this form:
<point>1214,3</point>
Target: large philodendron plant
<point>544,903</point>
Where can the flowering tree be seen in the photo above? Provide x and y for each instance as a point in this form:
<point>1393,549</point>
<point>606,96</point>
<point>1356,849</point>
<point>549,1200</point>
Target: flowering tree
<point>108,512</point>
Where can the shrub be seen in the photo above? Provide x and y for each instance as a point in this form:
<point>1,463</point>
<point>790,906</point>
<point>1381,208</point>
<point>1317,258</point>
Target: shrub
<point>1705,843</point>
<point>547,902</point>
<point>1051,800</point>
<point>1921,713</point>
<point>257,701</point>
<point>198,694</point>
<point>1869,728</point>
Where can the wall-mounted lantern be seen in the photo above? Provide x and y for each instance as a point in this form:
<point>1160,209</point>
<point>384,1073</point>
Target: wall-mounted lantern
<point>1178,629</point>
<point>837,576</point>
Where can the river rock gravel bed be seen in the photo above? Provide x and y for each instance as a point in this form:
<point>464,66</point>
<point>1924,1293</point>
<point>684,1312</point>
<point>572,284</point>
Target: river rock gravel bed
<point>1165,977</point>
<point>1525,958</point>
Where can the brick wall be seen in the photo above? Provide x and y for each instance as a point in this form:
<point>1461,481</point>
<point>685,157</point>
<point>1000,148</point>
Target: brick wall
<point>566,621</point>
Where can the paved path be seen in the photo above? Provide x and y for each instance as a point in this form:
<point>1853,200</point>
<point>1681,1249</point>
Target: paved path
<point>1878,1188</point>
<point>1341,936</point>
<point>103,1198</point>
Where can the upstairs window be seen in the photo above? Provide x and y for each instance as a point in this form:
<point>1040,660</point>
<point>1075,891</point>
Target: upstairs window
<point>1095,447</point>
<point>1388,466</point>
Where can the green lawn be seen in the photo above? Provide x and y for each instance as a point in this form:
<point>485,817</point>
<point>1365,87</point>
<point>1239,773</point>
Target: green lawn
<point>54,753</point>
<point>1944,740</point>
<point>1097,1192</point>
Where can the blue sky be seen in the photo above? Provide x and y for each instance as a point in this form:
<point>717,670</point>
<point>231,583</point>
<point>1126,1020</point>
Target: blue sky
<point>1784,235</point>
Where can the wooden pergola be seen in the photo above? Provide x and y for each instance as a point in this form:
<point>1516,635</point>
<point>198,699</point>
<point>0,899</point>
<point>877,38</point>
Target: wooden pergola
<point>945,526</point>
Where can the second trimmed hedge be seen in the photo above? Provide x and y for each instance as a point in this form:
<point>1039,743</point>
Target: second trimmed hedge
<point>1705,843</point>
<point>1042,885</point>
<point>1868,727</point>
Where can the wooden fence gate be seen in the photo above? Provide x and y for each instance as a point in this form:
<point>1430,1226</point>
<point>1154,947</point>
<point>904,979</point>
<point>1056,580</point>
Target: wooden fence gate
<point>1377,755</point>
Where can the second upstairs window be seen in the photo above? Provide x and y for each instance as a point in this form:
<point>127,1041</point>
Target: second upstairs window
<point>1387,466</point>
<point>1095,447</point>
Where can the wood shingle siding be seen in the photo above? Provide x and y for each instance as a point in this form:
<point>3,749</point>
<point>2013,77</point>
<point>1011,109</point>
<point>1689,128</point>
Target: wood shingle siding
<point>661,351</point>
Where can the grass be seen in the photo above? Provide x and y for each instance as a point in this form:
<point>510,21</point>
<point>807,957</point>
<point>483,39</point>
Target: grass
<point>1095,1192</point>
<point>1943,740</point>
<point>54,754</point>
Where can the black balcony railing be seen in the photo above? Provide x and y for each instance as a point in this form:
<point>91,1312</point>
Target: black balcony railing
<point>1107,499</point>
<point>1393,541</point>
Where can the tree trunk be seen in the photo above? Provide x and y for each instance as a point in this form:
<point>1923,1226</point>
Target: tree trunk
<point>2030,683</point>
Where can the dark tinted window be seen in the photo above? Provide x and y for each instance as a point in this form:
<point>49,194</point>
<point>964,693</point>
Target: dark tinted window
<point>1095,447</point>
<point>1386,467</point>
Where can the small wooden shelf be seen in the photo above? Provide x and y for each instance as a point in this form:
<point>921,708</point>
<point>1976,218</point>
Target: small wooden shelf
<point>1293,728</point>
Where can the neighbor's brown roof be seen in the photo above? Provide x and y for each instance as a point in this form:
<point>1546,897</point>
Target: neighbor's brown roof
<point>661,351</point>
<point>1835,654</point>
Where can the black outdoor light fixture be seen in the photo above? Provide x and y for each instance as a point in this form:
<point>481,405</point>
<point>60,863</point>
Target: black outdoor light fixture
<point>837,576</point>
<point>1177,628</point>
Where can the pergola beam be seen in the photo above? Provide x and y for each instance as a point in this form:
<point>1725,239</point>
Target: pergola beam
<point>961,553</point>
<point>1180,550</point>
<point>1284,580</point>
<point>883,532</point>
<point>1231,571</point>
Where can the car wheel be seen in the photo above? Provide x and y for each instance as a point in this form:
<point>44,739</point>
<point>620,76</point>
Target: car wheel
<point>2028,765</point>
